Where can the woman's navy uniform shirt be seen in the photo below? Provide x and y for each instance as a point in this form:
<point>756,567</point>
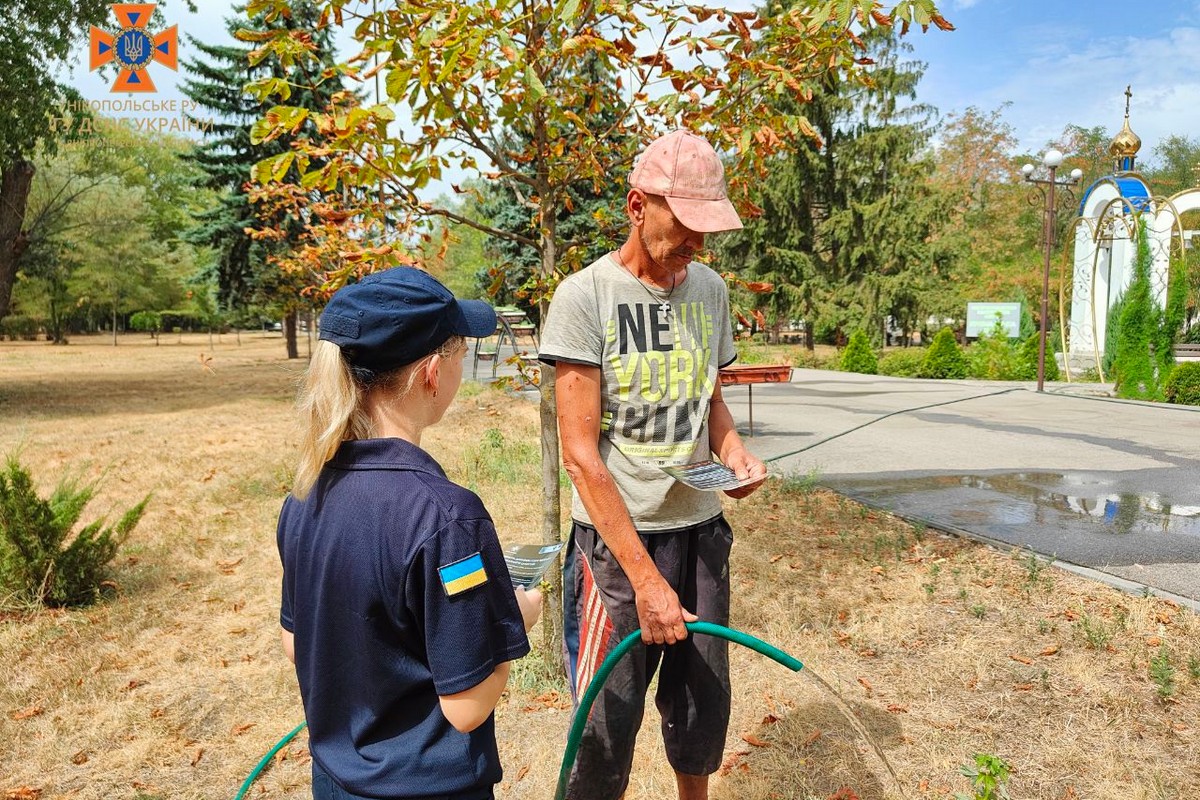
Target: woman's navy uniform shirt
<point>396,589</point>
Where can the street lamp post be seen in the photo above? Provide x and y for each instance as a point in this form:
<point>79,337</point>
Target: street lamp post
<point>1046,186</point>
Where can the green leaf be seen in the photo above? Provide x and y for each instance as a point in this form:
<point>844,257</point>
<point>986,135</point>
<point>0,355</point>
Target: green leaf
<point>397,83</point>
<point>534,84</point>
<point>451,62</point>
<point>569,11</point>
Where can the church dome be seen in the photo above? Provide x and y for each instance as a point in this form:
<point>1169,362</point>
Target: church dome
<point>1126,143</point>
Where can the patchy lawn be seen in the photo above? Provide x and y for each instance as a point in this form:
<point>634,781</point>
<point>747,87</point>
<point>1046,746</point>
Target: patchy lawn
<point>176,687</point>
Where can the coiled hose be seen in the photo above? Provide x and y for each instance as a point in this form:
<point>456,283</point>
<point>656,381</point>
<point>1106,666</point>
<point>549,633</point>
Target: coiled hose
<point>589,697</point>
<point>593,690</point>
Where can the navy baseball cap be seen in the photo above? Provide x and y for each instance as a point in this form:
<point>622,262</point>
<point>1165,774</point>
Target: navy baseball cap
<point>395,317</point>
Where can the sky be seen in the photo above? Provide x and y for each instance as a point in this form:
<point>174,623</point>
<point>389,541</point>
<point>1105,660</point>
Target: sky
<point>1055,62</point>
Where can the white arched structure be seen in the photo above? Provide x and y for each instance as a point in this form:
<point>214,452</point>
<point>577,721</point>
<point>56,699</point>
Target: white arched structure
<point>1106,251</point>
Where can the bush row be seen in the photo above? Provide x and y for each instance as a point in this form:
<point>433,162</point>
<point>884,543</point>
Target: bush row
<point>993,357</point>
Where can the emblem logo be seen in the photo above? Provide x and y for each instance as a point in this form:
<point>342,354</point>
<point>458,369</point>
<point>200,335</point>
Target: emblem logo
<point>134,48</point>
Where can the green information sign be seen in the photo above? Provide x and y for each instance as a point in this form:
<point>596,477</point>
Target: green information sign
<point>981,318</point>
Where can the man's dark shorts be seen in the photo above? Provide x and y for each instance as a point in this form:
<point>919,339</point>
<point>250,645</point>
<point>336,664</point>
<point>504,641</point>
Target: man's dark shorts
<point>693,686</point>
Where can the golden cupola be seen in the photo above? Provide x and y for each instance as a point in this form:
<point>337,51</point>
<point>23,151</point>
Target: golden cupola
<point>1125,145</point>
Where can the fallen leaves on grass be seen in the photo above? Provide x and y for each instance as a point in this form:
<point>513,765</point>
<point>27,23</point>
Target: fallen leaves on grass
<point>550,699</point>
<point>844,793</point>
<point>228,567</point>
<point>238,730</point>
<point>866,684</point>
<point>750,738</point>
<point>23,793</point>
<point>1021,659</point>
<point>731,761</point>
<point>26,713</point>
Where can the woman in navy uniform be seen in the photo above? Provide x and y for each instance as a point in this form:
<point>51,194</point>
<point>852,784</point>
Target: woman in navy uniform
<point>397,608</point>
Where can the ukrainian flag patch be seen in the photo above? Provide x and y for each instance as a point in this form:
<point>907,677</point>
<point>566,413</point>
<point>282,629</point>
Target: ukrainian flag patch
<point>463,575</point>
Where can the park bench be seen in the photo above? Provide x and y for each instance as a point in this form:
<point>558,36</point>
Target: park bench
<point>1187,352</point>
<point>512,326</point>
<point>749,374</point>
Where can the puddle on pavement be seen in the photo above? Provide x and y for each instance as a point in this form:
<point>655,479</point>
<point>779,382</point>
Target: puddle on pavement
<point>1027,497</point>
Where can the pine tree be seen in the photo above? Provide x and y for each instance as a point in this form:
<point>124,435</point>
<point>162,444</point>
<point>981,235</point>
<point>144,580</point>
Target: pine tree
<point>243,274</point>
<point>846,222</point>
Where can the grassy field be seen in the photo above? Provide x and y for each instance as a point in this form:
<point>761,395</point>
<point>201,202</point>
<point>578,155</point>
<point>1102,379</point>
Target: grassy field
<point>176,686</point>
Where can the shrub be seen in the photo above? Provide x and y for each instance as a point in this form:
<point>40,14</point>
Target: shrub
<point>1183,387</point>
<point>1112,334</point>
<point>945,358</point>
<point>859,356</point>
<point>35,566</point>
<point>812,359</point>
<point>148,321</point>
<point>1027,358</point>
<point>992,357</point>
<point>18,326</point>
<point>903,363</point>
<point>1134,369</point>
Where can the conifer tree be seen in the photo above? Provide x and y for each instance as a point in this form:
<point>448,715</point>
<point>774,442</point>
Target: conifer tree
<point>1134,369</point>
<point>243,272</point>
<point>589,221</point>
<point>846,221</point>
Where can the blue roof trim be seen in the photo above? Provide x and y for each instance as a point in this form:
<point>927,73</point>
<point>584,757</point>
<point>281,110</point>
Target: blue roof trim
<point>1131,189</point>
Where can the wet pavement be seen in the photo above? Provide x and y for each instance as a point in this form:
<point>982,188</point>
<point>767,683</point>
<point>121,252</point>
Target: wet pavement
<point>1105,487</point>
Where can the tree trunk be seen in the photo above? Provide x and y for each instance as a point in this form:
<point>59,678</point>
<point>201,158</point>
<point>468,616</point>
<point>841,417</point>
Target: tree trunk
<point>289,334</point>
<point>114,323</point>
<point>308,333</point>
<point>552,620</point>
<point>15,180</point>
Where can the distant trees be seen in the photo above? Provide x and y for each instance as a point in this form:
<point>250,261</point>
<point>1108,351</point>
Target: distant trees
<point>38,36</point>
<point>105,217</point>
<point>848,218</point>
<point>242,269</point>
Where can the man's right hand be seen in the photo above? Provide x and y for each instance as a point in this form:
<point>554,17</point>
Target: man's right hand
<point>660,614</point>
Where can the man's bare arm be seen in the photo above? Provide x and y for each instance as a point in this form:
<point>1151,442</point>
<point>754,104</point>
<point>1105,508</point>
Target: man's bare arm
<point>577,388</point>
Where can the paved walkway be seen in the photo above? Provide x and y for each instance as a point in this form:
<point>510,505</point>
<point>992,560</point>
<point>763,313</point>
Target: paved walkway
<point>1109,487</point>
<point>1106,487</point>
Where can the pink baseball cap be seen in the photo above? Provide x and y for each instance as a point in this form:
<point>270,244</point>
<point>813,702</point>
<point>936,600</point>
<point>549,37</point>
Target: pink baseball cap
<point>686,170</point>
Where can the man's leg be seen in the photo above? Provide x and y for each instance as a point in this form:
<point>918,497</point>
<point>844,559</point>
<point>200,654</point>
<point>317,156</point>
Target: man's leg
<point>600,611</point>
<point>692,787</point>
<point>693,688</point>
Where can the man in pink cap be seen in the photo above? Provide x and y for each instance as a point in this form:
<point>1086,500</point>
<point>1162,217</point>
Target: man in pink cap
<point>637,339</point>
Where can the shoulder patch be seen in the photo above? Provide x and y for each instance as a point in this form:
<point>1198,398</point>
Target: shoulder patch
<point>462,575</point>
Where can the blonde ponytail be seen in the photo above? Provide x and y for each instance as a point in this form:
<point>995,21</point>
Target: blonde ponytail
<point>332,405</point>
<point>330,412</point>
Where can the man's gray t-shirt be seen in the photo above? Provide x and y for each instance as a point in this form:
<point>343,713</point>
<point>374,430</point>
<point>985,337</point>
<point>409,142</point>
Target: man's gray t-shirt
<point>658,373</point>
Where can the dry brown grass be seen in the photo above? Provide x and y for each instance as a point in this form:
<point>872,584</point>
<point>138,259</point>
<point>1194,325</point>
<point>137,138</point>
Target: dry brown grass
<point>176,688</point>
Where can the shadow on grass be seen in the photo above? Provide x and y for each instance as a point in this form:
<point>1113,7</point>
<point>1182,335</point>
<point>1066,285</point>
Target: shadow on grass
<point>811,752</point>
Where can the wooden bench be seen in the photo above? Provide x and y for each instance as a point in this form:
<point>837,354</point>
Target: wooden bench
<point>1187,352</point>
<point>749,374</point>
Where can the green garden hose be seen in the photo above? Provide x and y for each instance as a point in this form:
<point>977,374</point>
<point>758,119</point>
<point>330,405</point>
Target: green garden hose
<point>589,697</point>
<point>267,760</point>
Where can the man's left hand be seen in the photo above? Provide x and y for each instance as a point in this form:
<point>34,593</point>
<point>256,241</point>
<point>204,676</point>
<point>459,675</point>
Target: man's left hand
<point>745,465</point>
